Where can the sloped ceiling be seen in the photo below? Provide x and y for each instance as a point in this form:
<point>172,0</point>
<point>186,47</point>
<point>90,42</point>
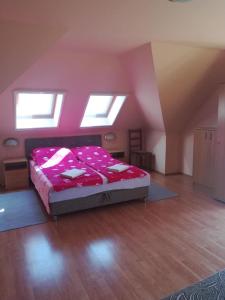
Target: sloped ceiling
<point>21,46</point>
<point>186,77</point>
<point>140,70</point>
<point>184,74</point>
<point>116,25</point>
<point>170,80</point>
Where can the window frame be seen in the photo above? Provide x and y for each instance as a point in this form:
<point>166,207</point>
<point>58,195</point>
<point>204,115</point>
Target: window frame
<point>50,116</point>
<point>106,115</point>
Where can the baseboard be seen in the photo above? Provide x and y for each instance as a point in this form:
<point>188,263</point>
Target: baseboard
<point>187,175</point>
<point>172,173</point>
<point>158,172</point>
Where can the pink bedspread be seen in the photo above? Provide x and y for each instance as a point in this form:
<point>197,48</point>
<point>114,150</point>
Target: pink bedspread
<point>64,160</point>
<point>99,159</point>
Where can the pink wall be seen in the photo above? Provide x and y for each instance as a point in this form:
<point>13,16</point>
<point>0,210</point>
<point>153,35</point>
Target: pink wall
<point>21,46</point>
<point>173,153</point>
<point>140,70</point>
<point>78,74</point>
<point>156,143</point>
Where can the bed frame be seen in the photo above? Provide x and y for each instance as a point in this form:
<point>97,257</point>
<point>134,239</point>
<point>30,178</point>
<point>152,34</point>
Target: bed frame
<point>96,200</point>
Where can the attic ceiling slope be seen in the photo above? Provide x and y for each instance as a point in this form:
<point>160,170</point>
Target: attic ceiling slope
<point>21,46</point>
<point>140,69</point>
<point>186,77</point>
<point>119,26</point>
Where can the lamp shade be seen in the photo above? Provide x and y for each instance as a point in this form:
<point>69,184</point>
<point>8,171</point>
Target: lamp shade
<point>10,142</point>
<point>110,136</point>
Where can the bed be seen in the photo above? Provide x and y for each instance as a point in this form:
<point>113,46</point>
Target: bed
<point>76,199</point>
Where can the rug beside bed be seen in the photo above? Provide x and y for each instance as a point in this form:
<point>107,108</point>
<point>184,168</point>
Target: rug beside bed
<point>158,192</point>
<point>20,209</point>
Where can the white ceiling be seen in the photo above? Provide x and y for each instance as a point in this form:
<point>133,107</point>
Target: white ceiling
<point>119,25</point>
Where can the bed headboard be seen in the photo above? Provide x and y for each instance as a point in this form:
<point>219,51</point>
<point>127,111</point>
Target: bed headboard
<point>66,141</point>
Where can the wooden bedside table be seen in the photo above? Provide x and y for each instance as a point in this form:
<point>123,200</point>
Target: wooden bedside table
<point>16,173</point>
<point>117,153</point>
<point>142,159</point>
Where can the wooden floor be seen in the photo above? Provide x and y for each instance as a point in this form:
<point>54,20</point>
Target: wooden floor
<point>126,251</point>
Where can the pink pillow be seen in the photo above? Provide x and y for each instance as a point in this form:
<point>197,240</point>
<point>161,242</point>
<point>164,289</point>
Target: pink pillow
<point>90,151</point>
<point>41,155</point>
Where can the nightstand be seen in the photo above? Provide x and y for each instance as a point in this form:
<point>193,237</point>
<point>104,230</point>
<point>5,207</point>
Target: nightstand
<point>141,159</point>
<point>117,153</point>
<point>16,173</point>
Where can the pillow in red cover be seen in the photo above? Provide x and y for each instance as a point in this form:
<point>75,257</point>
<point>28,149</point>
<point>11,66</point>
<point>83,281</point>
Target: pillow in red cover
<point>41,155</point>
<point>94,152</point>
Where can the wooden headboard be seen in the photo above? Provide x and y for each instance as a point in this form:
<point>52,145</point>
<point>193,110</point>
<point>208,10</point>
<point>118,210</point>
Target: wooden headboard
<point>66,141</point>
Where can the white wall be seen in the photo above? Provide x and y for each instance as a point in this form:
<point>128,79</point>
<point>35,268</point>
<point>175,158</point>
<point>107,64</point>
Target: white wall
<point>156,143</point>
<point>188,150</point>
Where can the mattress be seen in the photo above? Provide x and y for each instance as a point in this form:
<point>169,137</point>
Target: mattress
<point>48,195</point>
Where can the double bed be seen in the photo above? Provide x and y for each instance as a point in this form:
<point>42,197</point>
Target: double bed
<point>109,191</point>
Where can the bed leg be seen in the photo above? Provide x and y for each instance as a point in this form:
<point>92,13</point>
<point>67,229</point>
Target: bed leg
<point>145,199</point>
<point>55,218</point>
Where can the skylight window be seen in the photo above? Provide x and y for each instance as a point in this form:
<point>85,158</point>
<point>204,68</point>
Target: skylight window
<point>37,109</point>
<point>102,110</point>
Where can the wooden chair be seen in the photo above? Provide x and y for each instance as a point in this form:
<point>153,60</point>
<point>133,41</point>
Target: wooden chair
<point>137,156</point>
